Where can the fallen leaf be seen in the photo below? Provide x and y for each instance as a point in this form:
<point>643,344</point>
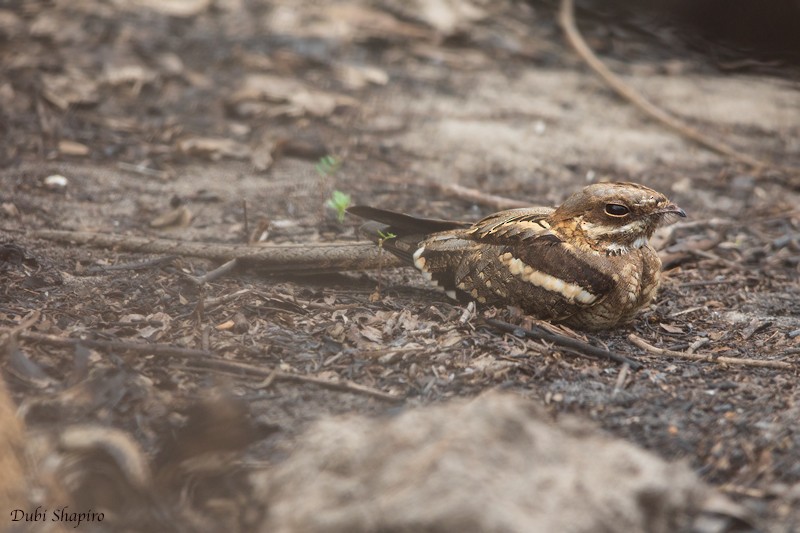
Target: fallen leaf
<point>670,329</point>
<point>371,333</point>
<point>174,8</point>
<point>213,148</point>
<point>137,75</point>
<point>71,88</point>
<point>448,16</point>
<point>66,147</point>
<point>298,97</point>
<point>225,325</point>
<point>358,77</point>
<point>180,217</point>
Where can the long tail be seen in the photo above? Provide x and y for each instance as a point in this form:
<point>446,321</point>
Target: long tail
<point>403,223</point>
<point>399,233</point>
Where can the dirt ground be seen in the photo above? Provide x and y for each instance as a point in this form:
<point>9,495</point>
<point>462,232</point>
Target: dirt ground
<point>203,120</point>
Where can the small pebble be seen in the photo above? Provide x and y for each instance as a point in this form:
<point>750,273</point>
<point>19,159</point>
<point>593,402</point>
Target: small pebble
<point>56,182</point>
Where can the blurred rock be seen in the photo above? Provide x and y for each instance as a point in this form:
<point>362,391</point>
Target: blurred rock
<point>497,463</point>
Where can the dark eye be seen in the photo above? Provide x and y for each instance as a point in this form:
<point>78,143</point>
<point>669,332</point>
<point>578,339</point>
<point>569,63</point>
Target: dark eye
<point>617,210</point>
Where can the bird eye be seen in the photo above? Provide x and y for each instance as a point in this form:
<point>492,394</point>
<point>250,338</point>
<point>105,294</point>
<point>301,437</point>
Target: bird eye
<point>617,210</point>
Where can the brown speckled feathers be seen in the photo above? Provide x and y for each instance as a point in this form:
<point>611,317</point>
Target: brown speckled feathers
<point>587,263</point>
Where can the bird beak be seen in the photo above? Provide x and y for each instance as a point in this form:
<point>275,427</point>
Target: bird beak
<point>672,209</point>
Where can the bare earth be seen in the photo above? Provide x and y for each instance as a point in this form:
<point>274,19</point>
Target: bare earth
<point>146,112</point>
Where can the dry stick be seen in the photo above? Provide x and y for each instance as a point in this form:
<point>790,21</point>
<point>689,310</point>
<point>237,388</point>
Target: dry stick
<point>276,375</point>
<point>139,169</point>
<point>246,225</point>
<point>567,21</point>
<point>138,347</point>
<point>205,359</point>
<point>275,259</point>
<point>479,197</point>
<point>641,343</point>
<point>463,193</point>
<point>27,321</point>
<point>225,298</point>
<point>135,265</point>
<point>213,274</point>
<point>573,345</point>
<point>621,377</point>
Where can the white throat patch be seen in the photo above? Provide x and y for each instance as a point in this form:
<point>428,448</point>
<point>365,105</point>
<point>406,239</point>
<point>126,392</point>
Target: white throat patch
<point>619,249</point>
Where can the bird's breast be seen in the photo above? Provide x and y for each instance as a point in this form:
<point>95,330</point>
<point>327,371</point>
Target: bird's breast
<point>636,277</point>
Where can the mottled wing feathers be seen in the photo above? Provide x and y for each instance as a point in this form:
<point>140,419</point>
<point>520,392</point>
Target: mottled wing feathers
<point>508,252</point>
<point>555,258</point>
<point>512,224</point>
<point>587,263</point>
<point>442,256</point>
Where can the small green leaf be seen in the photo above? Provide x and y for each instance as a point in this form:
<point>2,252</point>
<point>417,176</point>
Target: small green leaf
<point>339,202</point>
<point>328,165</point>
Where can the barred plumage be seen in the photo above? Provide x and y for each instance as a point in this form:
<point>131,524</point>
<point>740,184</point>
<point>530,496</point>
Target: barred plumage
<point>587,263</point>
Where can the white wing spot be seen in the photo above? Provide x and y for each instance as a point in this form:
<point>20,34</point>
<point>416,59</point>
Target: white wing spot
<point>419,261</point>
<point>516,266</point>
<point>571,291</point>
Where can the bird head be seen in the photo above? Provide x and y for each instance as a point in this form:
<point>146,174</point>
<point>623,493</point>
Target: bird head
<point>616,217</point>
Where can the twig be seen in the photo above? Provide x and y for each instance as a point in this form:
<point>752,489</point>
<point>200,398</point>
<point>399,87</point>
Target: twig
<point>468,314</point>
<point>699,343</point>
<point>29,320</point>
<point>225,298</point>
<point>621,377</point>
<point>567,21</point>
<point>478,197</point>
<point>206,359</point>
<point>741,490</point>
<point>246,224</point>
<point>276,375</point>
<point>573,345</point>
<point>134,265</point>
<point>708,283</point>
<point>138,347</point>
<point>141,169</point>
<point>276,259</point>
<point>641,343</point>
<point>213,274</point>
<point>733,265</point>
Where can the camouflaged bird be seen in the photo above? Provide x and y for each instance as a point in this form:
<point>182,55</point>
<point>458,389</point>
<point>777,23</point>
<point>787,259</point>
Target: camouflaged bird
<point>586,264</point>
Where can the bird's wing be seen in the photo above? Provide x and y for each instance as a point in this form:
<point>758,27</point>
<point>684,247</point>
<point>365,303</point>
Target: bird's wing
<point>513,225</point>
<point>521,257</point>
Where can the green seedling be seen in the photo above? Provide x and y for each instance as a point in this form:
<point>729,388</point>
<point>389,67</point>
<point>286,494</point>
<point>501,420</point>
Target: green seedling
<point>384,236</point>
<point>339,202</point>
<point>328,165</point>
